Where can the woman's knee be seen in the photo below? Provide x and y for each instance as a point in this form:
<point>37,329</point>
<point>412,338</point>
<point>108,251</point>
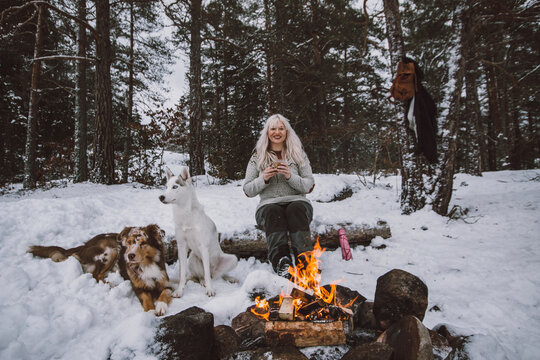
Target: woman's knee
<point>272,217</point>
<point>299,215</point>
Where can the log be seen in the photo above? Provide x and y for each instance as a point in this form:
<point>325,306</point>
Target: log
<point>304,333</point>
<point>247,247</point>
<point>286,310</point>
<point>329,239</point>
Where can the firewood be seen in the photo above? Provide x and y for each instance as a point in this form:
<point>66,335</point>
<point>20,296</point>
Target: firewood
<point>305,333</point>
<point>304,296</point>
<point>286,310</point>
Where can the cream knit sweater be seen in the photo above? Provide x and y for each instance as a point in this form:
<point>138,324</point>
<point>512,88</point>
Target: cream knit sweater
<point>279,189</point>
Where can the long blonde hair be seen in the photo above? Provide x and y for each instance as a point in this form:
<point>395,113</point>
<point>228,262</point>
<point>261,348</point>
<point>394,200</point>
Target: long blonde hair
<point>292,147</point>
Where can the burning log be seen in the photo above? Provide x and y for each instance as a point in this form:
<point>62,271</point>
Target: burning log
<point>304,333</point>
<point>328,312</point>
<point>286,310</point>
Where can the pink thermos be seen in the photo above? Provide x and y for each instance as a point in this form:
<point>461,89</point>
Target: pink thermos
<point>344,244</point>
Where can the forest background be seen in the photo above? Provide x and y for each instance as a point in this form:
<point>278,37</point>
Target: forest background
<point>82,87</point>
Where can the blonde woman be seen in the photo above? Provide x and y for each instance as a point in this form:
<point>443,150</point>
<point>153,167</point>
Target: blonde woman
<point>280,173</point>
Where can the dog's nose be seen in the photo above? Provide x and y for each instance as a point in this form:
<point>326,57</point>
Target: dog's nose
<point>161,198</point>
<point>131,256</point>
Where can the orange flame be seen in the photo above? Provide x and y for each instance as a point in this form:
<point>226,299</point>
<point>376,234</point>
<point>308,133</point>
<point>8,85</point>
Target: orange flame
<point>305,275</point>
<point>262,308</point>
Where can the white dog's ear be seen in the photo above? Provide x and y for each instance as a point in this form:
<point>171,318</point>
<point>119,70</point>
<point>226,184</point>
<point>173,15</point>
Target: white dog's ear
<point>168,172</point>
<point>184,173</point>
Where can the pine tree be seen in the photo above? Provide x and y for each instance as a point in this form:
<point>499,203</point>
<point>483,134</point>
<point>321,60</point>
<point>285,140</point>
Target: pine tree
<point>81,107</point>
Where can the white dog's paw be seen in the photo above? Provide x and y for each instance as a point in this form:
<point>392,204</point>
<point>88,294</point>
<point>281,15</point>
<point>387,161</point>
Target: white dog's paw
<point>210,292</point>
<point>178,293</point>
<point>230,279</point>
<point>161,308</point>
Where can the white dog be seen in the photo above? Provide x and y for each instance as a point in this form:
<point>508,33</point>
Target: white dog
<point>195,231</point>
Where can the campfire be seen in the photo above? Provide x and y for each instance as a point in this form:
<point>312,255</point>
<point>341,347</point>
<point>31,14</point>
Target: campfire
<point>308,308</point>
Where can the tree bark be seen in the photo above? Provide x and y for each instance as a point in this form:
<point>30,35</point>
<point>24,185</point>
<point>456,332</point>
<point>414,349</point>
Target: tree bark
<point>269,53</point>
<point>30,166</point>
<point>196,151</point>
<point>412,186</point>
<point>472,105</point>
<point>103,143</point>
<point>129,116</point>
<point>445,178</point>
<point>279,40</point>
<point>81,140</point>
<point>493,119</point>
<point>320,114</point>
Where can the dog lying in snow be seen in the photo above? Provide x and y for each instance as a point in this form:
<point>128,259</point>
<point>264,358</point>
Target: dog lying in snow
<point>137,252</point>
<point>195,231</point>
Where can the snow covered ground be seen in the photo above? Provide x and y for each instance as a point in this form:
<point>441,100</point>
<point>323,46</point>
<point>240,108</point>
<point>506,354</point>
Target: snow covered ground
<point>482,272</point>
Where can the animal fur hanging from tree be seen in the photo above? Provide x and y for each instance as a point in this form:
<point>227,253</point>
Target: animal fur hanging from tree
<point>421,110</point>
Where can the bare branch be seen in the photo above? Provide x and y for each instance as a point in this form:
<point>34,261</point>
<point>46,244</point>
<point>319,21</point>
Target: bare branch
<point>63,57</point>
<point>490,63</point>
<point>68,15</point>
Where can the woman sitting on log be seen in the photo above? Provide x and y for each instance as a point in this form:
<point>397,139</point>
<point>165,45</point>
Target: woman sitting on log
<point>280,173</point>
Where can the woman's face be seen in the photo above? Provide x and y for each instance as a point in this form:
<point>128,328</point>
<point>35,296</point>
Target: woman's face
<point>277,133</point>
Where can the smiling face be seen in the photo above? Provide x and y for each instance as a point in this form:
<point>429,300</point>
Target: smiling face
<point>277,134</point>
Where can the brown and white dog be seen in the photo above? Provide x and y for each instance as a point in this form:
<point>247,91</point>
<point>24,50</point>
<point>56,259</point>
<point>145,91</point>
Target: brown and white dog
<point>137,252</point>
<point>142,261</point>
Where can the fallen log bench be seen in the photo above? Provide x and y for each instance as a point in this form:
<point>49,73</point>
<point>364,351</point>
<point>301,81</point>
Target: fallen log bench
<point>250,244</point>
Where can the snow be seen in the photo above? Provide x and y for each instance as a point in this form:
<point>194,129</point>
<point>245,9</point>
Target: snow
<point>481,271</point>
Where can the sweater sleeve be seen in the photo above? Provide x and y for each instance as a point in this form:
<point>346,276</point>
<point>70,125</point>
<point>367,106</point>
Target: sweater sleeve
<point>303,181</point>
<point>254,181</point>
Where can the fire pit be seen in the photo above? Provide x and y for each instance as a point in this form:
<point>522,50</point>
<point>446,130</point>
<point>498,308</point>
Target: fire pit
<point>309,314</point>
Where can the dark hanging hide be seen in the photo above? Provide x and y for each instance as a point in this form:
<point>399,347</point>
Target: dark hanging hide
<point>422,117</point>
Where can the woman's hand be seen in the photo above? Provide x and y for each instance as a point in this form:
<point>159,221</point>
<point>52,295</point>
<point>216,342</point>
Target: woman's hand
<point>283,168</point>
<point>269,172</point>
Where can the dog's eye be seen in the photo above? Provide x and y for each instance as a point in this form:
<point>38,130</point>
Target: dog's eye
<point>175,187</point>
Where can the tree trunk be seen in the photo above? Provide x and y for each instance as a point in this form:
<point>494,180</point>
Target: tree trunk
<point>445,179</point>
<point>126,137</point>
<point>103,143</point>
<point>412,185</point>
<point>320,114</point>
<point>30,168</point>
<point>81,140</point>
<point>269,53</point>
<point>279,40</point>
<point>196,152</point>
<point>493,119</point>
<point>516,150</point>
<point>347,117</point>
<point>472,106</point>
